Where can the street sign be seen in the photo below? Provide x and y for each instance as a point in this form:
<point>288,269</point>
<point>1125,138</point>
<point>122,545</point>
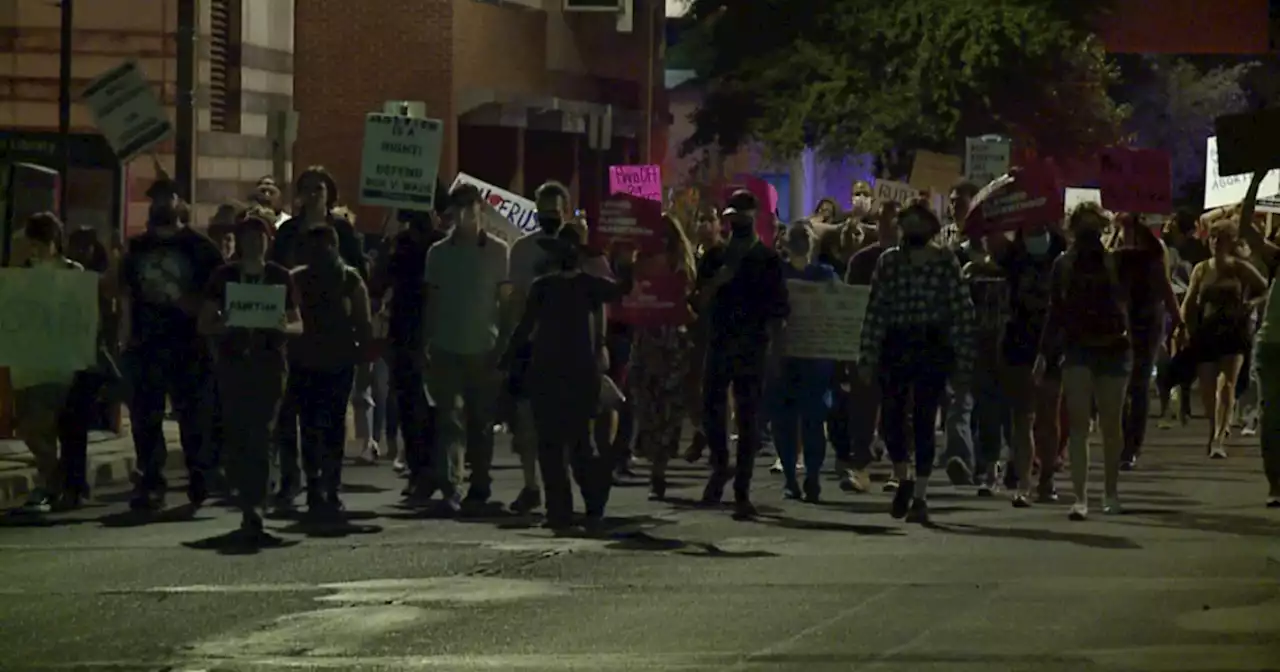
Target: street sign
<point>400,161</point>
<point>127,110</point>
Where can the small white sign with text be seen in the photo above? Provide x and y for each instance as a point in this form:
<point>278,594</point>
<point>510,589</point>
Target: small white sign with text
<point>253,306</point>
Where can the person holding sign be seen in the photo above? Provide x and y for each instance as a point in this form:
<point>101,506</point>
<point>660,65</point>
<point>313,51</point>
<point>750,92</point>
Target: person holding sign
<point>249,310</point>
<point>918,333</point>
<point>799,394</point>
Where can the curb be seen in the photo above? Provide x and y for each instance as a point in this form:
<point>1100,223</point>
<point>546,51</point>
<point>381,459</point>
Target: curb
<point>106,467</point>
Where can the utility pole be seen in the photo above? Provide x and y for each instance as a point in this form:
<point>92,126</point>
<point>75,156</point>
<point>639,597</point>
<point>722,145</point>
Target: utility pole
<point>185,134</point>
<point>651,13</point>
<point>64,106</point>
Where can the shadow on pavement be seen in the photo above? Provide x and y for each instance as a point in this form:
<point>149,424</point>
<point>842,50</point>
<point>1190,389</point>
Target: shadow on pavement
<point>18,519</point>
<point>789,523</point>
<point>238,542</point>
<point>179,514</point>
<point>644,541</point>
<point>1223,523</point>
<point>1078,538</point>
<point>337,527</point>
<point>362,489</point>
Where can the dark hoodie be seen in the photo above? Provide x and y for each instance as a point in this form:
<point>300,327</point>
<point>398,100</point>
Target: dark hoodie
<point>284,248</point>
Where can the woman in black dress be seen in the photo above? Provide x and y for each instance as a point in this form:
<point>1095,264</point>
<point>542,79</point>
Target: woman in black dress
<point>563,380</point>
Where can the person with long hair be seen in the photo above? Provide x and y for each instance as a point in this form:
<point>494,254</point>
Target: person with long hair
<point>1142,267</point>
<point>827,212</point>
<point>707,237</point>
<point>1217,310</point>
<point>660,362</point>
<point>1087,331</point>
<point>917,336</point>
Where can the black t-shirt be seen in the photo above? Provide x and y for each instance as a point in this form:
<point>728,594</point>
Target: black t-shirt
<point>757,294</point>
<point>161,274</point>
<point>285,247</point>
<point>406,271</point>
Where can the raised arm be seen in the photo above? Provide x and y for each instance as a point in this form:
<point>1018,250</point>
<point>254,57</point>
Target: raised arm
<point>1248,231</point>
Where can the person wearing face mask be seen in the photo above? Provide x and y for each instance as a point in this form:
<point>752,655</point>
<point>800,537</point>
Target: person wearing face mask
<point>163,275</point>
<point>861,203</point>
<point>528,261</point>
<point>742,289</point>
<point>799,394</point>
<point>1034,405</point>
<point>917,335</point>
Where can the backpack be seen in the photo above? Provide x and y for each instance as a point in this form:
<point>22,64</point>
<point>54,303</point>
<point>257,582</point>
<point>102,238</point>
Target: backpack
<point>1094,324</point>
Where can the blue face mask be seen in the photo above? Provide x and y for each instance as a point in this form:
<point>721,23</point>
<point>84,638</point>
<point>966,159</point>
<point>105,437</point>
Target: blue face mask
<point>1037,245</point>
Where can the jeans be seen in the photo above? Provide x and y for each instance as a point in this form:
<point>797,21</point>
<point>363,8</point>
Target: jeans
<point>414,412</point>
<point>465,389</point>
<point>364,403</point>
<point>321,398</point>
<point>862,409</point>
<point>1138,401</point>
<point>913,377</point>
<point>250,392</point>
<point>1266,363</point>
<point>593,474</point>
<point>958,423</point>
<point>743,372</point>
<point>839,427</point>
<point>157,371</point>
<point>798,412</point>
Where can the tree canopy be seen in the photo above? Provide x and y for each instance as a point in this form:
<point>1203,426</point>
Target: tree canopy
<point>867,76</point>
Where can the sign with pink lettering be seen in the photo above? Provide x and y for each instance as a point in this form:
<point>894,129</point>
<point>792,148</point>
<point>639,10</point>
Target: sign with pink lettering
<point>658,299</point>
<point>642,181</point>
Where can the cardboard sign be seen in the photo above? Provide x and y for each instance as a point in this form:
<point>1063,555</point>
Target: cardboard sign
<point>826,320</point>
<point>1229,189</point>
<point>626,220</point>
<point>1268,205</point>
<point>1075,196</point>
<point>400,161</point>
<point>48,323</point>
<point>935,172</point>
<point>642,181</point>
<point>1248,142</point>
<point>521,212</point>
<point>127,110</point>
<point>252,306</point>
<point>986,158</point>
<point>658,300</point>
<point>1136,180</point>
<point>888,190</point>
<point>1027,195</point>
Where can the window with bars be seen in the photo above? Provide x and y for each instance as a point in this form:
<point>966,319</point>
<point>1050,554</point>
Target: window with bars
<point>224,66</point>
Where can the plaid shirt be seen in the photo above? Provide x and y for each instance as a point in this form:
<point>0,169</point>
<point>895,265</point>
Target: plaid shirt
<point>933,293</point>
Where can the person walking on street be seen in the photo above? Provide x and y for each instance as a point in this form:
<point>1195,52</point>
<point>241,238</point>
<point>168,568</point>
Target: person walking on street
<point>164,274</point>
<point>465,274</point>
<point>250,366</point>
<point>322,361</point>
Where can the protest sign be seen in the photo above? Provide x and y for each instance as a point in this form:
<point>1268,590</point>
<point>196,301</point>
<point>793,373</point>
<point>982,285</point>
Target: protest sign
<point>48,320</point>
<point>826,320</point>
<point>1136,180</point>
<point>935,172</point>
<point>520,212</point>
<point>400,160</point>
<point>1026,195</point>
<point>766,195</point>
<point>986,158</point>
<point>642,181</point>
<point>127,110</point>
<point>253,306</point>
<point>1248,142</point>
<point>658,299</point>
<point>1075,196</point>
<point>626,220</point>
<point>888,190</point>
<point>1268,205</point>
<point>1220,190</point>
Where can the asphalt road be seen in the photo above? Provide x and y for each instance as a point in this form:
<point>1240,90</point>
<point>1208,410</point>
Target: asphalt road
<point>1187,580</point>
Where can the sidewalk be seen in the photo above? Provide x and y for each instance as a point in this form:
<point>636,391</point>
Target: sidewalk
<point>111,461</point>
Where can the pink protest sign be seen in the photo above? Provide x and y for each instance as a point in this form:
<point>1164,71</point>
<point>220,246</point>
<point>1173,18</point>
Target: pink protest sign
<point>642,181</point>
<point>628,220</point>
<point>658,299</point>
<point>1136,180</point>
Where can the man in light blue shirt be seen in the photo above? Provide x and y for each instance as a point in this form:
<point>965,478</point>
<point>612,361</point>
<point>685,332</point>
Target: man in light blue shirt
<point>465,277</point>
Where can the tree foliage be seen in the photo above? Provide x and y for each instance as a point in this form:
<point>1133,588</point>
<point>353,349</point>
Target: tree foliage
<point>866,76</point>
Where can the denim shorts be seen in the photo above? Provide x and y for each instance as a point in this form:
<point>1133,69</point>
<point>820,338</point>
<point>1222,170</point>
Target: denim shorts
<point>1107,363</point>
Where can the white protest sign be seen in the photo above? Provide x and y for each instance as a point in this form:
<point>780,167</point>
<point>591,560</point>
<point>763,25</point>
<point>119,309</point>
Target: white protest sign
<point>1220,190</point>
<point>253,306</point>
<point>986,158</point>
<point>1268,205</point>
<point>826,320</point>
<point>127,111</point>
<point>48,320</point>
<point>400,161</point>
<point>521,213</point>
<point>902,193</point>
<point>1075,196</point>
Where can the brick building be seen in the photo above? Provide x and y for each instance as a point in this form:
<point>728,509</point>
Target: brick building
<point>514,81</point>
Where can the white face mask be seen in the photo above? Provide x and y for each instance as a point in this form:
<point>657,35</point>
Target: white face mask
<point>861,206</point>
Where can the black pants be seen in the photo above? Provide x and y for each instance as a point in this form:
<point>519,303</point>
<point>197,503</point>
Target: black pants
<point>417,415</point>
<point>182,375</point>
<point>74,423</point>
<point>1138,400</point>
<point>592,470</point>
<point>914,369</point>
<point>321,399</point>
<point>744,374</point>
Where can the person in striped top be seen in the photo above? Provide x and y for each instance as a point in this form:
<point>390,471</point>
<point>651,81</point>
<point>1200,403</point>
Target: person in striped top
<point>918,334</point>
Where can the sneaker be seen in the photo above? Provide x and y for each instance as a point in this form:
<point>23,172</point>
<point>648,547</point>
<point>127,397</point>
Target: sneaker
<point>197,488</point>
<point>316,503</point>
<point>1273,502</point>
<point>919,512</point>
<point>1128,464</point>
<point>891,485</point>
<point>370,453</point>
<point>855,480</point>
<point>1218,453</point>
<point>902,499</point>
<point>284,499</point>
<point>777,466</point>
<point>743,509</point>
<point>147,499</point>
<point>477,496</point>
<point>1021,501</point>
<point>251,522</point>
<point>38,502</point>
<point>878,449</point>
<point>1046,493</point>
<point>812,490</point>
<point>986,490</point>
<point>449,506</point>
<point>1079,512</point>
<point>959,472</point>
<point>713,492</point>
<point>529,499</point>
<point>697,446</point>
<point>1164,423</point>
<point>400,466</point>
<point>1249,430</point>
<point>1111,506</point>
<point>791,490</point>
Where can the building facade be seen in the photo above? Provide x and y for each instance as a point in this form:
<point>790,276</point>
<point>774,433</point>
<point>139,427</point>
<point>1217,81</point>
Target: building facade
<point>516,84</point>
<point>244,78</point>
